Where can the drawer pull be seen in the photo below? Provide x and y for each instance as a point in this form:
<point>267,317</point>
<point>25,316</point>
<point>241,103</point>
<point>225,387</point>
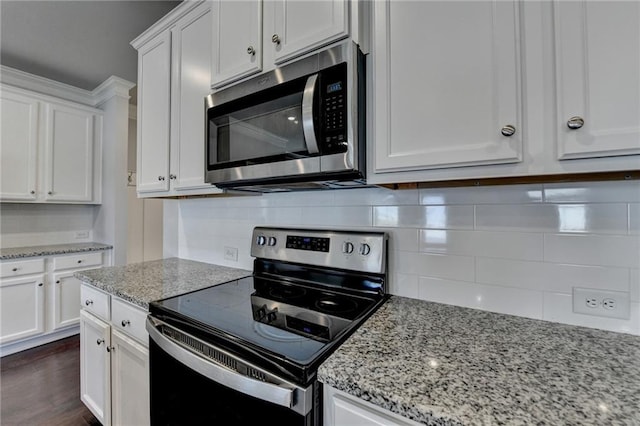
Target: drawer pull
<point>99,342</point>
<point>88,302</point>
<point>125,323</point>
<point>79,261</point>
<point>58,282</point>
<point>15,269</point>
<point>40,284</point>
<point>110,348</point>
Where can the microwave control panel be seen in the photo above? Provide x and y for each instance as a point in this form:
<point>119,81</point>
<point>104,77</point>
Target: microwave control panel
<point>333,89</point>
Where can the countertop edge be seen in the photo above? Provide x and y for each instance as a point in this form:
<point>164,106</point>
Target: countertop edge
<point>34,252</point>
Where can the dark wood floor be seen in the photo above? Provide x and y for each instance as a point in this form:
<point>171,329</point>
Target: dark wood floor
<point>41,386</point>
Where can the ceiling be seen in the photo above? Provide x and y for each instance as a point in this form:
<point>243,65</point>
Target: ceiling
<point>81,43</point>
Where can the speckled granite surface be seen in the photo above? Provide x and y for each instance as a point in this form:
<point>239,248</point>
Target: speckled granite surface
<point>141,283</point>
<point>48,250</point>
<point>446,365</point>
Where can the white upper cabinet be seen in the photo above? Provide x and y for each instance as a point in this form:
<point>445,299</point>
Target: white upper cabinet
<point>446,84</point>
<point>174,77</point>
<point>237,40</point>
<point>68,153</point>
<point>300,26</point>
<point>259,35</point>
<point>597,56</point>
<point>190,79</point>
<point>51,149</point>
<point>18,144</point>
<point>154,88</point>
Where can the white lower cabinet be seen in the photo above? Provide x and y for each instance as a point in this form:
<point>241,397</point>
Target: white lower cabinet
<point>341,409</point>
<point>39,299</point>
<point>115,381</point>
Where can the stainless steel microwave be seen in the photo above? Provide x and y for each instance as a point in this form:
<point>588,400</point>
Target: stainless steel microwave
<point>300,126</point>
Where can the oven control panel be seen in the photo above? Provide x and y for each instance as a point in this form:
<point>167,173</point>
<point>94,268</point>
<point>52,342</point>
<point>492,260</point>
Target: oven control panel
<point>358,251</point>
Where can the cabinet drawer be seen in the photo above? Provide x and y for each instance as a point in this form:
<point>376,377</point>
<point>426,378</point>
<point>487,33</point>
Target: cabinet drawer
<point>22,267</point>
<point>129,319</point>
<point>95,301</point>
<point>82,260</point>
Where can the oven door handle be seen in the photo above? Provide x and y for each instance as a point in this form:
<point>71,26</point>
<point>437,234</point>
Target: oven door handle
<point>307,115</point>
<point>286,394</point>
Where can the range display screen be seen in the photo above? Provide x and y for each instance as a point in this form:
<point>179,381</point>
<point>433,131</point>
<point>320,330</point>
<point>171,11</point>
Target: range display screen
<point>334,87</point>
<point>299,242</point>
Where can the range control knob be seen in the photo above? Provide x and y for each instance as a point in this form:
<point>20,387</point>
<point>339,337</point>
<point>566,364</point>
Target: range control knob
<point>347,247</point>
<point>272,241</point>
<point>364,249</point>
<point>261,240</point>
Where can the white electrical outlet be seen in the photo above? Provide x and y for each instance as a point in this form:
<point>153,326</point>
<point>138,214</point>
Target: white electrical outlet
<point>603,303</point>
<point>231,253</point>
<point>80,235</point>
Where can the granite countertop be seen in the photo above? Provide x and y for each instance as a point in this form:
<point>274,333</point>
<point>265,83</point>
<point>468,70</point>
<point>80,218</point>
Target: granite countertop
<point>141,283</point>
<point>447,365</point>
<point>48,250</point>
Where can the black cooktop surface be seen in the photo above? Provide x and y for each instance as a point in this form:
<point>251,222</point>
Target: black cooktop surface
<point>227,308</point>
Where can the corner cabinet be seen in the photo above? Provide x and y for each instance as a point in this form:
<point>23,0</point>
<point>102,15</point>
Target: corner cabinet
<point>483,89</point>
<point>114,359</point>
<point>342,409</point>
<point>174,74</point>
<point>51,149</point>
<point>253,36</point>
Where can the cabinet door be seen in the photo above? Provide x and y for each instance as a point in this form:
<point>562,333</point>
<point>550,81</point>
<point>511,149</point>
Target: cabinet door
<point>21,308</point>
<point>299,26</point>
<point>95,374</point>
<point>69,139</point>
<point>130,381</point>
<point>154,68</point>
<point>191,60</point>
<point>18,144</point>
<point>598,69</point>
<point>237,40</point>
<point>447,84</point>
<point>66,300</point>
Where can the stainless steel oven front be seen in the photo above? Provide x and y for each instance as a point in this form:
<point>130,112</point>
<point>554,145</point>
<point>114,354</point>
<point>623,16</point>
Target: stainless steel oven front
<point>301,122</point>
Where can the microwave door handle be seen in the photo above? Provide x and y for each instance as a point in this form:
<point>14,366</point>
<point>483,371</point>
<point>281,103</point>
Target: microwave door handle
<point>307,115</point>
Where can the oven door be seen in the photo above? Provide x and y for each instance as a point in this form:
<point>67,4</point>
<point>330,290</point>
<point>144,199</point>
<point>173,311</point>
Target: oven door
<point>193,382</point>
<point>266,134</point>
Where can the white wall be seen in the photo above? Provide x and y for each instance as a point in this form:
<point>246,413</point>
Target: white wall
<point>38,224</point>
<point>510,249</point>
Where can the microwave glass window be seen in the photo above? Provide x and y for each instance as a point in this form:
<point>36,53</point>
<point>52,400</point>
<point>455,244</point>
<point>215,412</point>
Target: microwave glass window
<point>269,129</point>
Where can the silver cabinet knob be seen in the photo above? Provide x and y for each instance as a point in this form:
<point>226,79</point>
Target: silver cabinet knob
<point>88,302</point>
<point>33,192</point>
<point>50,192</point>
<point>58,282</point>
<point>251,51</point>
<point>575,123</point>
<point>173,177</point>
<point>125,323</point>
<point>40,284</point>
<point>99,342</point>
<point>275,39</point>
<point>14,269</point>
<point>508,130</point>
<point>110,348</point>
<point>80,261</point>
<point>160,177</point>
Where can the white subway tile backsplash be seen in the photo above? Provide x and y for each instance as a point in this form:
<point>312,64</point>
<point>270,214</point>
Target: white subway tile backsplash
<point>404,285</point>
<point>434,265</point>
<point>634,284</point>
<point>513,194</point>
<point>526,303</point>
<point>376,197</point>
<point>559,308</point>
<point>343,216</point>
<point>602,250</point>
<point>553,277</point>
<point>593,192</point>
<point>433,217</point>
<point>509,245</point>
<point>573,218</point>
<point>634,219</point>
